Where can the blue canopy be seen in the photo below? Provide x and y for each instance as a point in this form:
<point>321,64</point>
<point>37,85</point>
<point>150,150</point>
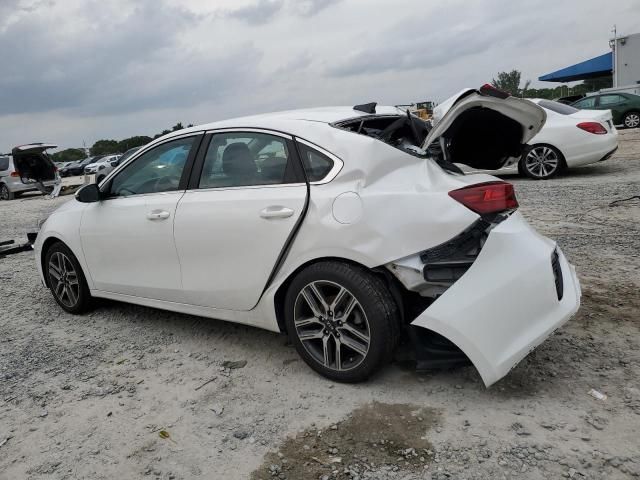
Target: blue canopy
<point>594,67</point>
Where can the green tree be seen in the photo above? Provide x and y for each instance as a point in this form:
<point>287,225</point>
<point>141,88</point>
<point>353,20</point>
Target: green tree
<point>127,143</point>
<point>508,82</point>
<point>103,147</point>
<point>175,128</point>
<point>69,155</point>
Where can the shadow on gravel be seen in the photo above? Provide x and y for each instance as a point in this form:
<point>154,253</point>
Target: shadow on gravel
<point>376,433</point>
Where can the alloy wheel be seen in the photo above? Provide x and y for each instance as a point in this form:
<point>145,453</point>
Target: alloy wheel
<point>64,280</point>
<point>632,120</point>
<point>331,325</point>
<point>542,161</point>
<point>4,192</point>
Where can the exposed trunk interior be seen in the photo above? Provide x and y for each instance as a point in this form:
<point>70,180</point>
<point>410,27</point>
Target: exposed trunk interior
<point>34,166</point>
<point>483,138</point>
<point>479,137</point>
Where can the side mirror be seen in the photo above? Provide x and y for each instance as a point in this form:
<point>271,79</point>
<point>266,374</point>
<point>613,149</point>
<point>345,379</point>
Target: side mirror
<point>89,194</point>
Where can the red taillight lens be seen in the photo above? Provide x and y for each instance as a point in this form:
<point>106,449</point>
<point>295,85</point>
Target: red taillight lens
<point>492,197</point>
<point>14,174</point>
<point>592,127</point>
<point>491,91</point>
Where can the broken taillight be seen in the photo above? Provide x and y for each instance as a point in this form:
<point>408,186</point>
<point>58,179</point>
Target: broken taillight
<point>592,127</point>
<point>490,91</point>
<point>483,198</point>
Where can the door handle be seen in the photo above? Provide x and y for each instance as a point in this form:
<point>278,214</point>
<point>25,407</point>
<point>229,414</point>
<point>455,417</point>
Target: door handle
<point>158,215</point>
<point>276,211</point>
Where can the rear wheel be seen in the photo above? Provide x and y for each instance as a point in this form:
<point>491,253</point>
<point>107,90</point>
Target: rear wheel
<point>66,280</point>
<point>5,193</point>
<point>632,120</point>
<point>342,320</point>
<point>541,162</point>
<point>99,178</point>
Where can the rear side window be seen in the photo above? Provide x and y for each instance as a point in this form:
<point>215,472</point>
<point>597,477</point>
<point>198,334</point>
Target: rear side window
<point>316,165</point>
<point>558,107</point>
<point>611,100</point>
<point>244,159</point>
<point>4,163</point>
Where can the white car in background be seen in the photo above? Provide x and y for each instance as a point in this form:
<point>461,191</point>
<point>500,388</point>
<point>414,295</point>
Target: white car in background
<point>101,164</point>
<point>570,138</point>
<point>343,227</point>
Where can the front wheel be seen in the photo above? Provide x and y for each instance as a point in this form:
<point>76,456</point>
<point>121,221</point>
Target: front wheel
<point>5,193</point>
<point>342,320</point>
<point>541,162</point>
<point>66,280</point>
<point>632,120</point>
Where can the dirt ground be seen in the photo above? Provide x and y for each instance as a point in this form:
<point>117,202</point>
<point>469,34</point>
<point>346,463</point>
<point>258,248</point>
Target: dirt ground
<point>132,392</point>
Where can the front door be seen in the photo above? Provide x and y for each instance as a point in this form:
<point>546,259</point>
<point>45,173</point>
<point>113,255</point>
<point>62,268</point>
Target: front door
<point>232,226</point>
<point>127,238</point>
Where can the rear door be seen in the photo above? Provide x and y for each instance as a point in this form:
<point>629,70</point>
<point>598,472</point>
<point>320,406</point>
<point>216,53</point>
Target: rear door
<point>127,238</point>
<point>613,102</point>
<point>244,201</point>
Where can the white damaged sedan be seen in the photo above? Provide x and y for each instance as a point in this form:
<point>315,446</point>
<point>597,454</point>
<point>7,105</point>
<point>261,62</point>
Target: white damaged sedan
<point>346,228</point>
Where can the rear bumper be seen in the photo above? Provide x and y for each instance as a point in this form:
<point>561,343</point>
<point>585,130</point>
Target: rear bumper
<point>17,185</point>
<point>506,304</point>
<point>594,151</point>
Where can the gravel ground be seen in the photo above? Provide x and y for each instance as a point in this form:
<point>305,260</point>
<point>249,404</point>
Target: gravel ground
<point>132,392</point>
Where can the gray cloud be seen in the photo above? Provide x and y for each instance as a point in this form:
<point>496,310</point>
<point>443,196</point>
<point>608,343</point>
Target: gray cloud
<point>309,8</point>
<point>89,69</point>
<point>256,14</point>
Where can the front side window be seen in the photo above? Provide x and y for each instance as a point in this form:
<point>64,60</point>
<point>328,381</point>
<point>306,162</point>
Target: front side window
<point>316,165</point>
<point>588,102</point>
<point>158,170</point>
<point>239,159</point>
<point>610,100</point>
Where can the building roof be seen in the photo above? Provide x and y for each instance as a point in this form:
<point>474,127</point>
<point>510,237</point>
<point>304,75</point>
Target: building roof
<point>594,67</point>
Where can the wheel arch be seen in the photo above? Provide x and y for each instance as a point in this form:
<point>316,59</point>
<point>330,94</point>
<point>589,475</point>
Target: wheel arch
<point>46,245</point>
<point>405,300</point>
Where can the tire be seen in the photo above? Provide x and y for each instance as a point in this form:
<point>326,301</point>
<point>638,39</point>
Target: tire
<point>631,120</point>
<point>99,179</point>
<point>541,162</point>
<point>66,279</point>
<point>5,193</point>
<point>345,348</point>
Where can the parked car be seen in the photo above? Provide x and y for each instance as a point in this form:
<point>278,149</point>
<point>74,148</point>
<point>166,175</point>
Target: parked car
<point>625,107</point>
<point>77,168</point>
<point>27,169</point>
<point>101,164</point>
<point>343,227</point>
<point>106,171</point>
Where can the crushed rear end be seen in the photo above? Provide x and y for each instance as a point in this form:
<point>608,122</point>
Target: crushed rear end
<point>497,289</point>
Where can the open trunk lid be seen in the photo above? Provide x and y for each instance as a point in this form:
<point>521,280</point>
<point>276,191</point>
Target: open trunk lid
<point>483,128</point>
<point>33,164</point>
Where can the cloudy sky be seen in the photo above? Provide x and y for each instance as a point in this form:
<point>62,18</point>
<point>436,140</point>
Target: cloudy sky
<point>81,70</point>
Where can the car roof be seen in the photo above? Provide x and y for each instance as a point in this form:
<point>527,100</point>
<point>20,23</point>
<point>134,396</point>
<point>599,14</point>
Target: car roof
<point>277,120</point>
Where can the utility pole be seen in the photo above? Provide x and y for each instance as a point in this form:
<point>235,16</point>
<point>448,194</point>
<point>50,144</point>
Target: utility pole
<point>615,55</point>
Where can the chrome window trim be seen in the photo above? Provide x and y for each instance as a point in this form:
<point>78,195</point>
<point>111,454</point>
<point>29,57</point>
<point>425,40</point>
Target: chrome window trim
<point>250,130</point>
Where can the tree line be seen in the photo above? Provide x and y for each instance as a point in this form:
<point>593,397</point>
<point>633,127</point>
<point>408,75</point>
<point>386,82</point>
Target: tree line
<point>510,82</point>
<point>109,146</point>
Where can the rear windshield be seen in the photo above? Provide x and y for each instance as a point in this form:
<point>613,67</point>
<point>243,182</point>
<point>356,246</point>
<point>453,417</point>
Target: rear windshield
<point>558,107</point>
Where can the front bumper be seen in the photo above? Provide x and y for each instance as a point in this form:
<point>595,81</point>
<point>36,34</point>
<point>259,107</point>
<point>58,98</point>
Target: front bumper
<point>506,304</point>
